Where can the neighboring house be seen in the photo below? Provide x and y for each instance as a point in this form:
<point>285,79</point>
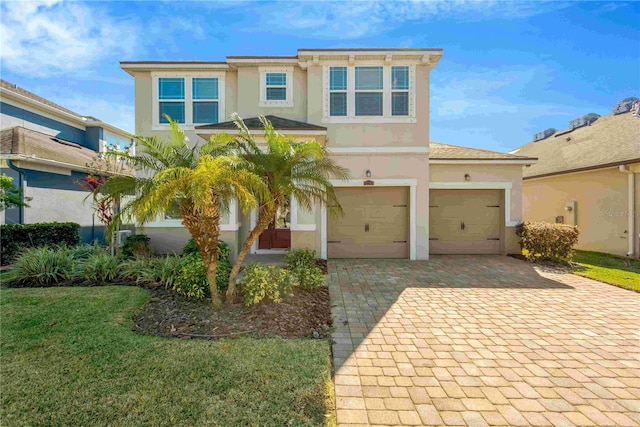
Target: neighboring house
<point>589,175</point>
<point>46,149</point>
<point>406,199</point>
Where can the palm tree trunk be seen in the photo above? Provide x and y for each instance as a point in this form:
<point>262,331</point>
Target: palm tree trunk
<point>206,233</point>
<point>265,216</point>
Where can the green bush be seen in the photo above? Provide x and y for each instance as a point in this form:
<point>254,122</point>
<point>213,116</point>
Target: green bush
<point>308,278</point>
<point>43,266</point>
<point>301,258</point>
<point>266,281</point>
<point>98,269</point>
<point>15,237</point>
<point>547,241</point>
<point>224,263</point>
<point>191,280</point>
<point>151,270</point>
<point>136,245</point>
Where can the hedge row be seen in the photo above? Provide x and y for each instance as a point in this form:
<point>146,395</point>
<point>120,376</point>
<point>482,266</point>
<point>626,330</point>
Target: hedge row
<point>14,237</point>
<point>547,241</point>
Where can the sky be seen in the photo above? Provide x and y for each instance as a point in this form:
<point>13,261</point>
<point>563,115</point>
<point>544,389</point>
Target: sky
<point>509,69</point>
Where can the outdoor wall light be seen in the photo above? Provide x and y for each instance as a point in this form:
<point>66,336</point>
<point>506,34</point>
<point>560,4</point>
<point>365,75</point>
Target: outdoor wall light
<point>568,208</point>
<point>368,173</point>
<point>467,177</point>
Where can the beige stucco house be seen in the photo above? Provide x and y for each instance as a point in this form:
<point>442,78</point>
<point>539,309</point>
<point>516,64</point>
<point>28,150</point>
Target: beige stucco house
<point>590,177</point>
<point>407,198</point>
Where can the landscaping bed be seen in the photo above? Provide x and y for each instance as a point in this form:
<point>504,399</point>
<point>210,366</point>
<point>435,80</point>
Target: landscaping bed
<point>305,314</point>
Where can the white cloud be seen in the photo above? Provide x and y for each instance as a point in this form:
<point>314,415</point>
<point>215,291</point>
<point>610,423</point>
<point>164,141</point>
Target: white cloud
<point>43,38</point>
<point>357,19</point>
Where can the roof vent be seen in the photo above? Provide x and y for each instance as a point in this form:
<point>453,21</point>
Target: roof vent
<point>585,120</point>
<point>624,106</point>
<point>544,134</point>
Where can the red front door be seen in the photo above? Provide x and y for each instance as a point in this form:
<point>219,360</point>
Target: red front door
<point>278,234</point>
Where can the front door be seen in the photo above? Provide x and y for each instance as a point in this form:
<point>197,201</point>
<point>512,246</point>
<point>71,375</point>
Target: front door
<point>278,234</point>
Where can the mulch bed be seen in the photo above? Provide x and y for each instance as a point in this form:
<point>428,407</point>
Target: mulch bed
<point>305,314</point>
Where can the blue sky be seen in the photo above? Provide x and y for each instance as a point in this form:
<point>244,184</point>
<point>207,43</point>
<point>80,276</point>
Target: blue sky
<point>509,69</point>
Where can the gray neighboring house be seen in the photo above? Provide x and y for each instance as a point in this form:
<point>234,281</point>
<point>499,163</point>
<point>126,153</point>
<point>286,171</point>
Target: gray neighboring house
<point>46,148</point>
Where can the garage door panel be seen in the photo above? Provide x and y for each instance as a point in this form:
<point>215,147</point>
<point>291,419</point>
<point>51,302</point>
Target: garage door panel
<point>465,221</point>
<point>374,224</point>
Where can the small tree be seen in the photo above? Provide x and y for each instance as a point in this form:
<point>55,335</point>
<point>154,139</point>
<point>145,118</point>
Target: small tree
<point>290,169</point>
<point>200,180</point>
<point>11,196</point>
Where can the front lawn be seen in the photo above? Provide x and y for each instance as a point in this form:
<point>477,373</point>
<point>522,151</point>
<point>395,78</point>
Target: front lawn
<point>623,272</point>
<point>69,357</point>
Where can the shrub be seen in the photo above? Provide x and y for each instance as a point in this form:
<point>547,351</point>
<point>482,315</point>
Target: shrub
<point>191,280</point>
<point>151,271</point>
<point>15,237</point>
<point>301,258</point>
<point>224,264</point>
<point>136,245</point>
<point>547,241</point>
<point>266,281</point>
<point>98,268</point>
<point>43,266</point>
<point>308,278</point>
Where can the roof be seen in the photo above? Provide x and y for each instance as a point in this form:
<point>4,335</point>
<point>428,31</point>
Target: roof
<point>440,151</point>
<point>253,123</point>
<point>39,146</point>
<point>609,141</point>
<point>23,92</point>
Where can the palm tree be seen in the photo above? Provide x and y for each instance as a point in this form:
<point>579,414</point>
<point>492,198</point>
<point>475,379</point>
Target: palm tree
<point>200,180</point>
<point>290,169</point>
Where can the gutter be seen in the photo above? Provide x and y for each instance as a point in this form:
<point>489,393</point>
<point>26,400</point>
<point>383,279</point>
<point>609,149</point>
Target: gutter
<point>34,159</point>
<point>631,208</point>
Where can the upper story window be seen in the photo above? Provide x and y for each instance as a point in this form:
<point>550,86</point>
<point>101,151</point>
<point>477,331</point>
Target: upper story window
<point>369,93</point>
<point>276,87</point>
<point>188,98</point>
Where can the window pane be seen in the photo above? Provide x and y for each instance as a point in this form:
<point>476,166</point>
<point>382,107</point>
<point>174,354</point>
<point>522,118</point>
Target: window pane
<point>368,78</point>
<point>205,112</point>
<point>276,79</point>
<point>368,104</point>
<point>173,212</point>
<point>205,88</point>
<point>338,78</point>
<point>400,104</point>
<point>276,94</point>
<point>400,77</point>
<point>175,110</point>
<point>171,88</point>
<point>338,104</point>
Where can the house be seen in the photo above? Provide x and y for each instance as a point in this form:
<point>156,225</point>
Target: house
<point>589,175</point>
<point>47,149</point>
<point>407,198</point>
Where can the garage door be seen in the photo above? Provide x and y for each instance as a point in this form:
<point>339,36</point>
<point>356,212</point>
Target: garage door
<point>464,221</point>
<point>374,224</point>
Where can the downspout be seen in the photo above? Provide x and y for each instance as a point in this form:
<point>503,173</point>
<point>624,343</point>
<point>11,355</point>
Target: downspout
<point>23,186</point>
<point>631,208</point>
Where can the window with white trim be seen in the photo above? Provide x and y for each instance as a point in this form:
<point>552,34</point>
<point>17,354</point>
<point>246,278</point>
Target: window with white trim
<point>188,98</point>
<point>276,86</point>
<point>369,93</point>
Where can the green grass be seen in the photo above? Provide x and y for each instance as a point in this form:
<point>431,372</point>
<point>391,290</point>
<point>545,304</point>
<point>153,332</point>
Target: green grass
<point>615,270</point>
<point>69,357</point>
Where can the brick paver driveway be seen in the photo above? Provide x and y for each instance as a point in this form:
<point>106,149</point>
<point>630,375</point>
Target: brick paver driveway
<point>475,340</point>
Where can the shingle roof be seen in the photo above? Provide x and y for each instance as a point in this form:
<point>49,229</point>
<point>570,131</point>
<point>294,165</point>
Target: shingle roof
<point>610,140</point>
<point>253,123</point>
<point>19,91</point>
<point>40,146</point>
<point>440,151</point>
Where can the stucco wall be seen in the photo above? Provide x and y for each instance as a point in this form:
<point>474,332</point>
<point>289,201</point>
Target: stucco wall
<point>601,206</point>
<point>172,240</point>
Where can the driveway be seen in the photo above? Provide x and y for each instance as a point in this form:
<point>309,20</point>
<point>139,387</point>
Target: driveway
<point>481,340</point>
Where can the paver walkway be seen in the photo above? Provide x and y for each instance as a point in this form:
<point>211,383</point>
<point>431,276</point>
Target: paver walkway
<point>478,340</point>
